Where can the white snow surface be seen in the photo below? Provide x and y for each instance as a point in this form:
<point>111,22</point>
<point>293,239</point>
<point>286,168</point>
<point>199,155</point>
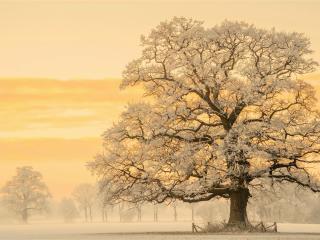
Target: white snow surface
<point>143,231</point>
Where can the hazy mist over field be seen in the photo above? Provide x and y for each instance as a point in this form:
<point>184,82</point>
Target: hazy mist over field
<point>159,119</point>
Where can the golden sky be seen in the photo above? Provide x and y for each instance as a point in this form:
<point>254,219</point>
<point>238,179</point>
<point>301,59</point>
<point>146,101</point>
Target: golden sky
<point>55,126</point>
<point>52,120</point>
<point>96,38</point>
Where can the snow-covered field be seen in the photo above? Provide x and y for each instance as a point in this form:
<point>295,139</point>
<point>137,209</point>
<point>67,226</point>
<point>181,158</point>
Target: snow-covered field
<point>143,231</point>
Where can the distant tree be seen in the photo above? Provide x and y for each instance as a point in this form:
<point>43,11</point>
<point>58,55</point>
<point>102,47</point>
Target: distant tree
<point>155,212</point>
<point>192,207</point>
<point>227,108</point>
<point>102,206</point>
<point>68,210</point>
<point>175,212</point>
<point>127,211</point>
<point>138,207</point>
<point>215,210</point>
<point>26,193</point>
<point>121,208</point>
<point>314,206</point>
<point>85,195</point>
<point>103,203</point>
<point>274,204</point>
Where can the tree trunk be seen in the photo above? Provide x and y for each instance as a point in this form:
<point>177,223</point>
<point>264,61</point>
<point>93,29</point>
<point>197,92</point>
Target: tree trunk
<point>120,212</point>
<point>106,214</point>
<point>175,213</point>
<point>86,214</point>
<point>238,208</point>
<point>103,214</point>
<point>90,213</point>
<point>192,212</point>
<point>25,216</point>
<point>139,212</point>
<point>155,213</point>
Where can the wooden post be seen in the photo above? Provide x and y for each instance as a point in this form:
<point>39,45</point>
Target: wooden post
<point>263,227</point>
<point>194,228</point>
<point>192,212</point>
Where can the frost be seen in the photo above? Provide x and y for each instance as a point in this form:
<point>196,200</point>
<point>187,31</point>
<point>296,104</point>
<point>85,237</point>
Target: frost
<point>227,108</point>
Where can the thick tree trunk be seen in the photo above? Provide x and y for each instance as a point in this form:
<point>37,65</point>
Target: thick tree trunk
<point>238,208</point>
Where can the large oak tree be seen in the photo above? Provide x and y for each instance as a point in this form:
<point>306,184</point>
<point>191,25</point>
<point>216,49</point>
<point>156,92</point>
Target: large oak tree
<point>226,110</point>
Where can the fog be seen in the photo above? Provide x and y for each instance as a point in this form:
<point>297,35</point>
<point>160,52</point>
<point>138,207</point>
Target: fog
<point>147,230</point>
<point>218,138</point>
<point>284,204</point>
<point>295,210</point>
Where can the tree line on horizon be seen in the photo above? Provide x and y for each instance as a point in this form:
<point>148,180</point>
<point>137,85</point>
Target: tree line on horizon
<point>26,196</point>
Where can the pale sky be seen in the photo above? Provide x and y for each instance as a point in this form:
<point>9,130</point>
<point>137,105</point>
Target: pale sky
<point>55,125</point>
<point>96,39</point>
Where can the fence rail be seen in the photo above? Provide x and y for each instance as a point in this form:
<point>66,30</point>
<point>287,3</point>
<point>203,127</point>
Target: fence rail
<point>260,227</point>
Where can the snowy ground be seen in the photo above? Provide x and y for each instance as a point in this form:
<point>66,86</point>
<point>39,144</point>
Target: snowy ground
<point>143,231</point>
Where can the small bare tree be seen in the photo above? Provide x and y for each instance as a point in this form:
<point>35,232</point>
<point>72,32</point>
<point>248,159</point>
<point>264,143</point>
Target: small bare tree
<point>26,193</point>
<point>138,206</point>
<point>68,210</point>
<point>175,212</point>
<point>155,212</point>
<point>85,196</point>
<point>104,204</point>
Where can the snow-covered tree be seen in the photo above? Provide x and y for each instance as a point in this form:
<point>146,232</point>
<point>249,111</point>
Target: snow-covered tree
<point>103,203</point>
<point>225,108</point>
<point>85,195</point>
<point>68,210</point>
<point>26,193</point>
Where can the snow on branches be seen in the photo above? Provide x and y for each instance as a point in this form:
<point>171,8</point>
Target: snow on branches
<point>228,110</point>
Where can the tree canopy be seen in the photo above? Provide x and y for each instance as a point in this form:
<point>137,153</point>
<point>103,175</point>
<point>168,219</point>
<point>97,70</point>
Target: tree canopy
<point>227,109</point>
<point>85,194</point>
<point>26,193</point>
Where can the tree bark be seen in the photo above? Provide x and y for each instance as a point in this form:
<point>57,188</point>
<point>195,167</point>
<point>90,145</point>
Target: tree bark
<point>238,208</point>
